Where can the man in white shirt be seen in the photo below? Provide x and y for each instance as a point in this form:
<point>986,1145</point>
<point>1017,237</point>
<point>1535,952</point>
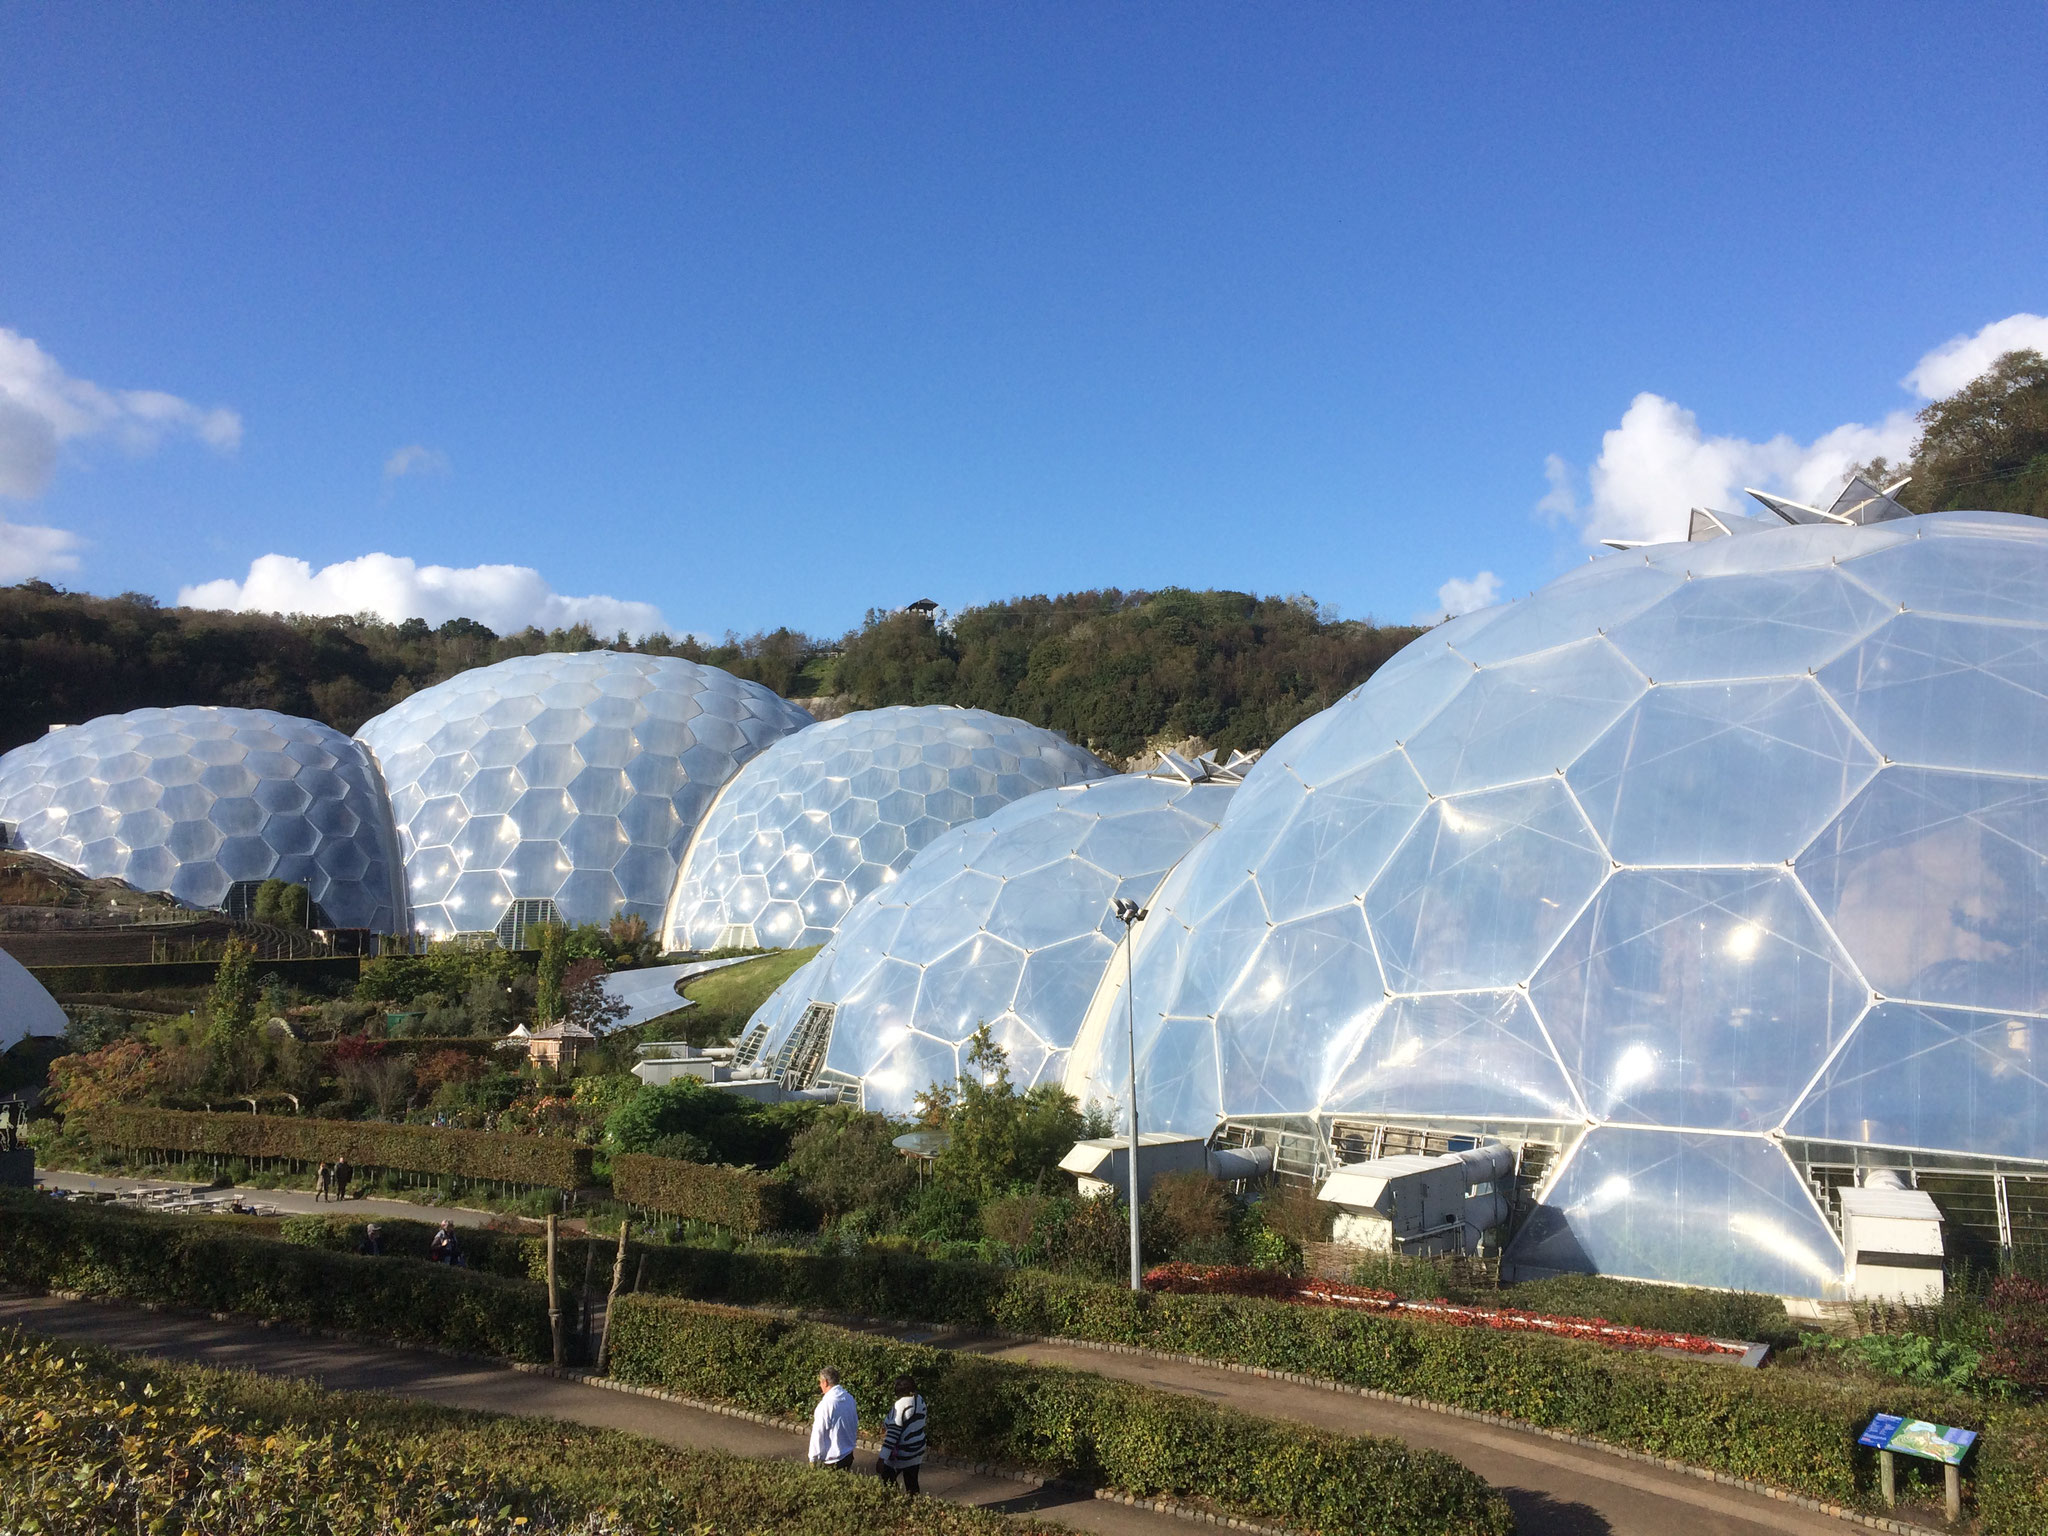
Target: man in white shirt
<point>834,1423</point>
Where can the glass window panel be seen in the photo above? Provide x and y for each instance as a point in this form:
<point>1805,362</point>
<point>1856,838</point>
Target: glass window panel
<point>1984,576</point>
<point>900,1071</point>
<point>969,987</point>
<point>1178,1088</point>
<point>1058,983</point>
<point>1523,719</point>
<point>1298,1012</point>
<point>1391,706</point>
<point>1483,887</point>
<point>1938,885</point>
<point>1766,625</point>
<point>1939,1079</point>
<point>1341,838</point>
<point>1229,937</point>
<point>1051,904</point>
<point>1698,997</point>
<point>1723,1211</point>
<point>1946,694</point>
<point>1467,1055</point>
<point>1577,606</point>
<point>1789,548</point>
<point>1720,773</point>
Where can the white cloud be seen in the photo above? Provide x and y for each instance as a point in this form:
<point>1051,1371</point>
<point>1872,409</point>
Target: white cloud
<point>27,549</point>
<point>1460,595</point>
<point>416,459</point>
<point>42,407</point>
<point>1957,361</point>
<point>505,597</point>
<point>1658,463</point>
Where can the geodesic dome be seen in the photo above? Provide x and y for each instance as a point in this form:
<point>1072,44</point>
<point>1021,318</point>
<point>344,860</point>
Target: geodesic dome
<point>26,1009</point>
<point>567,782</point>
<point>1703,855</point>
<point>199,799</point>
<point>1005,921</point>
<point>823,817</point>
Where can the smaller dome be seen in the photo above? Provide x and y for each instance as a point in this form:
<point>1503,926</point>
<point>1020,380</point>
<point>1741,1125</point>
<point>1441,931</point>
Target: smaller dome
<point>1006,922</point>
<point>566,783</point>
<point>823,817</point>
<point>203,801</point>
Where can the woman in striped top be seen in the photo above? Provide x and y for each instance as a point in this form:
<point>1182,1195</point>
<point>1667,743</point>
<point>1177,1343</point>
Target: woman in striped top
<point>902,1450</point>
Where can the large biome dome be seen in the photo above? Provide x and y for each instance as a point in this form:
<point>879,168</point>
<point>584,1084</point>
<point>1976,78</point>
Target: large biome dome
<point>1713,866</point>
<point>567,783</point>
<point>1005,921</point>
<point>823,817</point>
<point>204,801</point>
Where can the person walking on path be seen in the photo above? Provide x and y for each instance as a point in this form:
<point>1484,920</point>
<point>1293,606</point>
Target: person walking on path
<point>323,1181</point>
<point>834,1423</point>
<point>902,1450</point>
<point>444,1249</point>
<point>342,1171</point>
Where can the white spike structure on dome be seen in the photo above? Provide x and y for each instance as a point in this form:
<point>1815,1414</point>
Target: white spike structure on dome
<point>823,817</point>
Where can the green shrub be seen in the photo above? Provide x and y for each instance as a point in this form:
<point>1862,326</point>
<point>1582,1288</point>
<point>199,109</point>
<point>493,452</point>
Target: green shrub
<point>1066,1423</point>
<point>544,1161</point>
<point>738,1199</point>
<point>1667,1308</point>
<point>1784,1428</point>
<point>92,1442</point>
<point>135,1256</point>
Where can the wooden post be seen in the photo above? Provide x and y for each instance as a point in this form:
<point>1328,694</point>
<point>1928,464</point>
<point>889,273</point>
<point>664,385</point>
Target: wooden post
<point>1887,1483</point>
<point>1953,1477</point>
<point>583,1320</point>
<point>554,1297</point>
<point>639,1274</point>
<point>604,1340</point>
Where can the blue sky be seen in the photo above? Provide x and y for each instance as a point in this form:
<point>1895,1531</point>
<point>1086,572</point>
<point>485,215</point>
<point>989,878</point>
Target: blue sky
<point>765,315</point>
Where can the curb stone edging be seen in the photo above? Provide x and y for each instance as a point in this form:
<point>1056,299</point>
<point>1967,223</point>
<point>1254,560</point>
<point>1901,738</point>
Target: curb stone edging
<point>1179,1511</point>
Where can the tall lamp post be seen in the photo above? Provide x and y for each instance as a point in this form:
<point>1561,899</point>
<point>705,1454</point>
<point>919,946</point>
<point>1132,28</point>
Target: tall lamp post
<point>1130,914</point>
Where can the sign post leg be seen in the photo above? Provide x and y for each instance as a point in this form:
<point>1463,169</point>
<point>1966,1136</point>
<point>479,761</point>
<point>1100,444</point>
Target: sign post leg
<point>1954,1479</point>
<point>1886,1483</point>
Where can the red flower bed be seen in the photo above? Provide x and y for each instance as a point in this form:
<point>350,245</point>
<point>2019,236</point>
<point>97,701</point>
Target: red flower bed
<point>1233,1280</point>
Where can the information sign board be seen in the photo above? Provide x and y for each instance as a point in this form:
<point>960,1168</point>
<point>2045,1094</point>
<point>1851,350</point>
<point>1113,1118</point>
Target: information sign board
<point>1917,1437</point>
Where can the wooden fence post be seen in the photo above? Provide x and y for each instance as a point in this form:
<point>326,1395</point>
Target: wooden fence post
<point>554,1297</point>
<point>604,1340</point>
<point>583,1305</point>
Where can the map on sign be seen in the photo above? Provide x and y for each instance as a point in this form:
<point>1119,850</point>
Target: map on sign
<point>1917,1437</point>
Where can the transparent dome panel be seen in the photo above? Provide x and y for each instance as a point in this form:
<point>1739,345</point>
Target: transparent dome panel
<point>1721,773</point>
<point>1462,1055</point>
<point>1943,693</point>
<point>1700,997</point>
<point>1722,1211</point>
<point>1937,883</point>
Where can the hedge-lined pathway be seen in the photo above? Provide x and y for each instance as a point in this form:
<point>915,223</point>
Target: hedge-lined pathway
<point>292,1202</point>
<point>452,1382</point>
<point>1555,1488</point>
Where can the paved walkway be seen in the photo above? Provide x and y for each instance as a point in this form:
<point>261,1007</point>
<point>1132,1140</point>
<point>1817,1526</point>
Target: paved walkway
<point>1556,1489</point>
<point>290,1202</point>
<point>461,1383</point>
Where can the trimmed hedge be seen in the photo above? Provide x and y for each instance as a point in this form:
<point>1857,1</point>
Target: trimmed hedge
<point>1784,1428</point>
<point>1066,1423</point>
<point>738,1199</point>
<point>140,976</point>
<point>136,1256</point>
<point>93,1442</point>
<point>546,1161</point>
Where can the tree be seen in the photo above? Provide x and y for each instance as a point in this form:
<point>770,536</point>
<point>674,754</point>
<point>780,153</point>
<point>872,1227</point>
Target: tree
<point>231,1005</point>
<point>1000,1138</point>
<point>1983,448</point>
<point>554,962</point>
<point>283,903</point>
<point>847,1162</point>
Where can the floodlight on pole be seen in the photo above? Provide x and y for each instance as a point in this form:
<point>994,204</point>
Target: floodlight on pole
<point>1130,914</point>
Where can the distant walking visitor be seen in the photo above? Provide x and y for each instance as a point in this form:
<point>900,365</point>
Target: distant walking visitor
<point>835,1423</point>
<point>902,1450</point>
<point>323,1181</point>
<point>342,1171</point>
<point>444,1249</point>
